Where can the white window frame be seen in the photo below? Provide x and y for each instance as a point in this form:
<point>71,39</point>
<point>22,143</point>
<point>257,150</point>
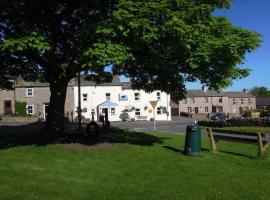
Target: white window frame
<point>27,110</point>
<point>121,97</point>
<point>137,111</point>
<point>206,109</point>
<point>113,111</point>
<point>27,93</point>
<point>220,100</point>
<point>234,101</point>
<point>190,109</point>
<point>85,96</point>
<point>193,100</point>
<point>242,101</point>
<point>158,96</point>
<point>108,96</point>
<point>250,101</point>
<point>137,96</point>
<point>159,111</point>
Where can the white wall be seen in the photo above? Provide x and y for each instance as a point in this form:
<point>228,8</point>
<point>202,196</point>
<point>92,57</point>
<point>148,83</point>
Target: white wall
<point>97,96</point>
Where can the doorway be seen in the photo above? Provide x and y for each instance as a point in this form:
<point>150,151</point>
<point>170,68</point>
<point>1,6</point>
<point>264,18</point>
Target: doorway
<point>7,107</point>
<point>45,110</point>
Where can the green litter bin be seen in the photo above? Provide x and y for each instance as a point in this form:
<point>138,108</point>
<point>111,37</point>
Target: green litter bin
<point>193,140</point>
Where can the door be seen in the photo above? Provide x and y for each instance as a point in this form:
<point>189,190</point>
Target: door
<point>196,109</point>
<point>7,107</point>
<point>45,110</point>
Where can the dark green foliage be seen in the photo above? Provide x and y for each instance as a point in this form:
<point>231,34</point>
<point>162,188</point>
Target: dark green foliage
<point>20,108</point>
<point>260,92</point>
<point>161,44</point>
<point>237,123</point>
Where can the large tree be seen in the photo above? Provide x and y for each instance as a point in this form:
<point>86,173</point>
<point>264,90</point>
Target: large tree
<point>158,44</point>
<point>260,91</point>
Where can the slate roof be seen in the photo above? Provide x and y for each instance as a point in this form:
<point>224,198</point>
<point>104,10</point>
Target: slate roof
<point>115,82</point>
<point>213,93</point>
<point>74,82</point>
<point>238,95</point>
<point>201,93</point>
<point>263,101</point>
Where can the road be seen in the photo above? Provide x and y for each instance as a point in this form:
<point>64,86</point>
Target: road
<point>178,125</point>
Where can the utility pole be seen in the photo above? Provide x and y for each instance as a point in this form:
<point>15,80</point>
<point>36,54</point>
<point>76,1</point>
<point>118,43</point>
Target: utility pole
<point>79,101</point>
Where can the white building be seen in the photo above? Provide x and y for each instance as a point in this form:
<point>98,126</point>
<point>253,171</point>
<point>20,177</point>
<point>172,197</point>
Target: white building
<point>118,98</point>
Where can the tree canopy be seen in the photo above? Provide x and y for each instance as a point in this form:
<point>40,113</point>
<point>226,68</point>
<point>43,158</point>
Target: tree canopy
<point>260,91</point>
<point>158,44</point>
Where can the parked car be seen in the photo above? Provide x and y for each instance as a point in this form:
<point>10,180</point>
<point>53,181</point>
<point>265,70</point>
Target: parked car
<point>219,117</point>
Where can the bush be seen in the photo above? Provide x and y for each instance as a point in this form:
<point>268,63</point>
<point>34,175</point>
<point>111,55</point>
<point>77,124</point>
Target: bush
<point>20,108</point>
<point>236,122</point>
<point>185,114</point>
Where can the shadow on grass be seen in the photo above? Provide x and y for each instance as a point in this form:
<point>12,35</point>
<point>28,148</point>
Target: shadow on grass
<point>181,150</point>
<point>238,154</point>
<point>32,134</point>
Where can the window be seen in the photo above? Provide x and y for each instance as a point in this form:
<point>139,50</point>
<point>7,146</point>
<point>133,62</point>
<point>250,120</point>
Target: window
<point>206,109</point>
<point>29,92</point>
<point>137,96</point>
<point>250,101</point>
<point>85,97</point>
<point>103,110</point>
<point>206,99</point>
<point>158,96</point>
<point>234,101</point>
<point>189,109</point>
<point>185,101</point>
<point>30,109</point>
<point>193,100</point>
<point>220,100</point>
<point>137,111</point>
<point>108,96</point>
<point>112,110</point>
<point>159,110</point>
<point>242,101</point>
<point>123,97</point>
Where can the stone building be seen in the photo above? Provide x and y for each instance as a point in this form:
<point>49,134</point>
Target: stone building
<point>208,101</point>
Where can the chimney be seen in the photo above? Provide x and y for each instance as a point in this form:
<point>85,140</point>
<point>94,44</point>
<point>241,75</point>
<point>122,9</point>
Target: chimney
<point>204,88</point>
<point>245,90</point>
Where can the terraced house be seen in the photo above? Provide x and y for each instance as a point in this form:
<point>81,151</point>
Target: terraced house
<point>206,101</point>
<point>115,98</point>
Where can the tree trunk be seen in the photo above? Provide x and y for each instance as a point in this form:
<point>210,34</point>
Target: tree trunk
<point>55,118</point>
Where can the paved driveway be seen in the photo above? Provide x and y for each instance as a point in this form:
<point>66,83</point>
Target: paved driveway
<point>178,125</point>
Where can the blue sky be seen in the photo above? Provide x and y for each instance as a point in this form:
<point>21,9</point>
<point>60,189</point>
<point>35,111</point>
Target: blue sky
<point>252,15</point>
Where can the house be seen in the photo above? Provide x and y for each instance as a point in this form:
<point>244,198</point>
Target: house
<point>36,95</point>
<point>206,101</point>
<point>7,102</point>
<point>263,103</point>
<point>119,100</point>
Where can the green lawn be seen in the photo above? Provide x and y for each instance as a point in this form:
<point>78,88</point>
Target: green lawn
<point>134,166</point>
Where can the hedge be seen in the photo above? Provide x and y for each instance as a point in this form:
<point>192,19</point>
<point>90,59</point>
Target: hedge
<point>237,122</point>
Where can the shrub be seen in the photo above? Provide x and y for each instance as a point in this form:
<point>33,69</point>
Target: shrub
<point>236,122</point>
<point>20,108</point>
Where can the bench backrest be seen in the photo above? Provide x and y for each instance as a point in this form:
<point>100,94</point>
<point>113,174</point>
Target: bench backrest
<point>237,136</point>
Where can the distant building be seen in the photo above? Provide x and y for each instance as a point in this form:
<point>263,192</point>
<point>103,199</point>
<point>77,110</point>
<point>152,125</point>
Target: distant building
<point>208,101</point>
<point>263,103</point>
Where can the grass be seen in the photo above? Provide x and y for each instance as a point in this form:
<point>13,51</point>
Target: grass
<point>132,166</point>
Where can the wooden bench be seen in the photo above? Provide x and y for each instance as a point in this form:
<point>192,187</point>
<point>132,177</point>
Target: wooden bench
<point>260,139</point>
